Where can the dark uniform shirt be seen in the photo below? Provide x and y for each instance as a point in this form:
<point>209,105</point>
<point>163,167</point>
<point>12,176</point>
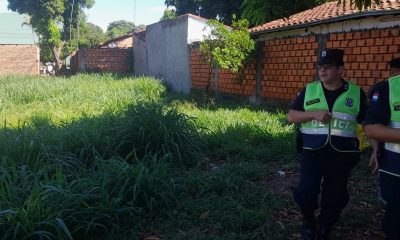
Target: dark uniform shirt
<point>331,96</point>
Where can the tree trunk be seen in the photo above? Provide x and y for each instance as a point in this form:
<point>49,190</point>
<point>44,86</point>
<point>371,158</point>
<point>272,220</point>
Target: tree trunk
<point>56,54</point>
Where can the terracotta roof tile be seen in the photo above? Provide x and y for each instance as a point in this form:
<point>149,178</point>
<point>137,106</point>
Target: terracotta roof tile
<point>325,11</point>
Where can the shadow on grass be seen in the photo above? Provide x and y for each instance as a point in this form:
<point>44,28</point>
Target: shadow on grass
<point>140,173</point>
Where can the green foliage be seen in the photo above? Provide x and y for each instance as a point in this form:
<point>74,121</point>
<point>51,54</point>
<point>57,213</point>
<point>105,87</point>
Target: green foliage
<point>52,19</point>
<point>119,28</point>
<point>107,157</point>
<point>91,35</point>
<point>256,11</point>
<point>168,14</point>
<point>262,11</point>
<point>210,9</point>
<point>227,47</point>
<point>361,4</point>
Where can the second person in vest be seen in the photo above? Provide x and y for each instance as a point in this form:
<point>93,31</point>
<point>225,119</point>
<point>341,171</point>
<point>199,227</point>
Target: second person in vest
<point>328,111</point>
<point>383,124</point>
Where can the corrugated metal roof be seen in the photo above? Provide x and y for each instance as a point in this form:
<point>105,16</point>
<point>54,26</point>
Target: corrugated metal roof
<point>326,12</point>
<point>14,31</point>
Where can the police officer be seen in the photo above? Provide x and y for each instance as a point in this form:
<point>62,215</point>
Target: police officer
<point>382,124</point>
<point>329,111</point>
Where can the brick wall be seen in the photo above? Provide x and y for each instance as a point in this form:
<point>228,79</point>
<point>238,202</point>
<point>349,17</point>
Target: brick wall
<point>228,82</point>
<point>103,60</point>
<point>288,64</point>
<point>19,59</point>
<point>199,70</point>
<point>367,54</point>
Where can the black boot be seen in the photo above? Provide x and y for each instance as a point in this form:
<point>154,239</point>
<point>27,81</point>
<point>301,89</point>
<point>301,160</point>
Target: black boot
<point>308,227</point>
<point>308,230</point>
<point>324,232</point>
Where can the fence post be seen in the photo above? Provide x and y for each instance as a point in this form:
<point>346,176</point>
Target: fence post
<point>216,80</point>
<point>259,69</point>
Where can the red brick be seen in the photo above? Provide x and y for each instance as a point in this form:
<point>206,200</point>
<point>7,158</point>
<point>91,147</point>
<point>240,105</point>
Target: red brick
<point>365,50</point>
<point>393,49</point>
<point>370,42</point>
<point>388,41</point>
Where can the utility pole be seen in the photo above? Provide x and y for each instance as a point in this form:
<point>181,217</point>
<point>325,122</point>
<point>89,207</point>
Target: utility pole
<point>70,20</point>
<point>134,12</point>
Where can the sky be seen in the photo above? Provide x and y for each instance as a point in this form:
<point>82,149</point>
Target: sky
<point>106,11</point>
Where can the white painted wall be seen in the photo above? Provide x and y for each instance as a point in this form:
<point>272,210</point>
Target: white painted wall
<point>168,55</point>
<point>140,66</point>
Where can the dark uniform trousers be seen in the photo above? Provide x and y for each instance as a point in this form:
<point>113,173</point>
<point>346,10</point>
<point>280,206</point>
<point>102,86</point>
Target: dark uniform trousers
<point>332,168</point>
<point>389,187</point>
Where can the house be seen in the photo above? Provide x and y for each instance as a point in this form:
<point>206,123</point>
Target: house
<point>20,54</point>
<point>287,49</point>
<point>125,41</point>
<point>163,50</point>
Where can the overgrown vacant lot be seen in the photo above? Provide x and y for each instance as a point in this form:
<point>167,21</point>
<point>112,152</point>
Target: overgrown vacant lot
<point>112,157</point>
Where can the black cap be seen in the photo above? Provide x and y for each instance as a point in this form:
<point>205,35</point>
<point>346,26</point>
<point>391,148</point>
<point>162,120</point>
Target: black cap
<point>331,56</point>
<point>395,63</point>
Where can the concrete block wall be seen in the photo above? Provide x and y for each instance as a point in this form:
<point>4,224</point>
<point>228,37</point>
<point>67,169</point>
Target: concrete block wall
<point>19,60</point>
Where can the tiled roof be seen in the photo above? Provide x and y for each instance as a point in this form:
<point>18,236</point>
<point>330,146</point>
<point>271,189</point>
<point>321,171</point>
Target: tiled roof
<point>123,37</point>
<point>140,35</point>
<point>327,12</point>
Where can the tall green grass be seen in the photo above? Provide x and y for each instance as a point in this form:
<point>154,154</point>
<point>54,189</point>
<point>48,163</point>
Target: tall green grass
<point>65,99</point>
<point>111,157</point>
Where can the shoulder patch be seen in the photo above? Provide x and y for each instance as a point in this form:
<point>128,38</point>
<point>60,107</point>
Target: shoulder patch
<point>349,102</point>
<point>375,97</point>
<point>397,107</point>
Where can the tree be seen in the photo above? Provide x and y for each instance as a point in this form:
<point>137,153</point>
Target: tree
<point>362,4</point>
<point>256,11</point>
<point>262,11</point>
<point>211,9</point>
<point>168,14</point>
<point>52,20</point>
<point>226,48</point>
<point>90,35</point>
<point>119,28</point>
<point>140,27</point>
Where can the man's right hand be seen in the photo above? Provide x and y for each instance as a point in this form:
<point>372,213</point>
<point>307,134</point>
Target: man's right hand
<point>322,116</point>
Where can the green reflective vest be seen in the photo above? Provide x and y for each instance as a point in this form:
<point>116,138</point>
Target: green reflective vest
<point>340,132</point>
<point>390,162</point>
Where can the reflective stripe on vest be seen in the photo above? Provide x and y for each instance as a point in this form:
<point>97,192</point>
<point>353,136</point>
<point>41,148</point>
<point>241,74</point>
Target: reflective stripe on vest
<point>343,123</point>
<point>393,147</point>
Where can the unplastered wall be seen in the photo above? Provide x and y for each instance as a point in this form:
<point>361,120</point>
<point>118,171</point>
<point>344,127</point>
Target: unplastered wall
<point>288,60</point>
<point>19,60</point>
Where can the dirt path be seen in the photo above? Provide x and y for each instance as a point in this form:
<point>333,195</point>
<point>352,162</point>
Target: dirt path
<point>352,228</point>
